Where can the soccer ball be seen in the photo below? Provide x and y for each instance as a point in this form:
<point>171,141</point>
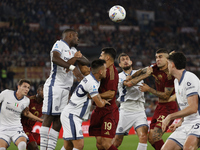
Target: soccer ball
<point>117,13</point>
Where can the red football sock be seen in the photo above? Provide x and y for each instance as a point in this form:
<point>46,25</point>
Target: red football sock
<point>112,148</point>
<point>158,144</point>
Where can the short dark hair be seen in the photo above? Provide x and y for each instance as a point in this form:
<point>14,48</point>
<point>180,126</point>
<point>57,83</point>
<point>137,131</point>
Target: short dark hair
<point>179,60</point>
<point>110,51</point>
<point>121,55</point>
<point>96,64</point>
<point>21,81</point>
<point>68,30</point>
<point>40,87</point>
<point>162,50</point>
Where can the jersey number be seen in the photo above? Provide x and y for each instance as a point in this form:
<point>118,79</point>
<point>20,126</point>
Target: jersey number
<point>196,126</point>
<point>108,125</point>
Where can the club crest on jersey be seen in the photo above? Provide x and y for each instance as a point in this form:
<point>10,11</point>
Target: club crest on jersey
<point>56,46</point>
<point>94,88</point>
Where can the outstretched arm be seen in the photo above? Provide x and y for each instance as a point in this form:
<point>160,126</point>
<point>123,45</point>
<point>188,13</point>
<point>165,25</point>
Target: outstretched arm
<point>137,78</point>
<point>28,114</point>
<point>163,96</point>
<point>108,94</point>
<point>190,109</point>
<point>99,101</point>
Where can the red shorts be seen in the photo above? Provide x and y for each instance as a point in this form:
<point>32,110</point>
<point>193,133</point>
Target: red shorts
<point>161,111</point>
<point>32,136</point>
<point>104,122</point>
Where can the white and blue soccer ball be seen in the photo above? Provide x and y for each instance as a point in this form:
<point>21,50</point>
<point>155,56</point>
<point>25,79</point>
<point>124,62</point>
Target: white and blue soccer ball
<point>117,13</point>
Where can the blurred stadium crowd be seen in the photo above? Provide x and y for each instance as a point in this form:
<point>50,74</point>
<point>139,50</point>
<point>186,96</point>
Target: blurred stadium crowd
<point>175,25</point>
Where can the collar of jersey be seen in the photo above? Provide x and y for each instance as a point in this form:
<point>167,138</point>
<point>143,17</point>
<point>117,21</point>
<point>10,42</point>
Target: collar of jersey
<point>64,42</point>
<point>127,73</point>
<point>93,77</point>
<point>183,74</point>
<point>16,96</point>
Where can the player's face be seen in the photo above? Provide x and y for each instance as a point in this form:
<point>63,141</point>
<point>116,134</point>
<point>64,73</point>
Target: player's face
<point>75,39</point>
<point>125,62</point>
<point>102,56</point>
<point>161,59</point>
<point>24,88</point>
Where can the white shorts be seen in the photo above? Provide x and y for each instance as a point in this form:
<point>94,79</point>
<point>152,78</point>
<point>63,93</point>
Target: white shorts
<point>128,119</point>
<point>9,135</point>
<point>181,133</point>
<point>72,126</point>
<point>55,99</point>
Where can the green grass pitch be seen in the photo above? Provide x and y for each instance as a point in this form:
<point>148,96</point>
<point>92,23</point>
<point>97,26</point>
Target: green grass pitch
<point>130,142</point>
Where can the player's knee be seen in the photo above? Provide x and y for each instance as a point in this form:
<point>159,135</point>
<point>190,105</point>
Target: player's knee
<point>22,145</point>
<point>117,142</point>
<point>143,138</point>
<point>32,146</point>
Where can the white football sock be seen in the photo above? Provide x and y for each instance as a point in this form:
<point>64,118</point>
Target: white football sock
<point>75,149</point>
<point>63,148</point>
<point>142,146</point>
<point>52,140</point>
<point>21,145</point>
<point>44,137</point>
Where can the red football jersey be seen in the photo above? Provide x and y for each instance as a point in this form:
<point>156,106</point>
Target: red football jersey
<point>36,109</point>
<point>110,83</point>
<point>163,79</point>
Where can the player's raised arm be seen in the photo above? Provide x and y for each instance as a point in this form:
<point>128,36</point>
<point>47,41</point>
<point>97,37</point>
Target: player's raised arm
<point>28,114</point>
<point>140,75</point>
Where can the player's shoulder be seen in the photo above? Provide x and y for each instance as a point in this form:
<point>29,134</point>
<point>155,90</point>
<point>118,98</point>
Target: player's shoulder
<point>7,91</point>
<point>190,75</point>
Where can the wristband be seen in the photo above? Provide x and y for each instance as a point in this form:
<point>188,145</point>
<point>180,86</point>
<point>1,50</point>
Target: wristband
<point>72,67</point>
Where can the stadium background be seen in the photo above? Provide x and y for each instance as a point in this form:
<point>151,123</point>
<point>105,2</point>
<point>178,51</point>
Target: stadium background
<point>29,28</point>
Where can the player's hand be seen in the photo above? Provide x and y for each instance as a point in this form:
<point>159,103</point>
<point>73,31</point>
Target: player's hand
<point>78,74</point>
<point>144,87</point>
<point>78,54</point>
<point>173,127</point>
<point>106,102</point>
<point>128,77</point>
<point>149,70</point>
<point>165,123</point>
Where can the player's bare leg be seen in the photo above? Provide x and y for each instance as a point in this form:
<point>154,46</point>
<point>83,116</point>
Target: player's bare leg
<point>155,138</point>
<point>170,145</point>
<point>99,143</point>
<point>78,144</point>
<point>142,135</point>
<point>32,146</point>
<point>104,143</point>
<point>192,143</point>
<point>68,145</point>
<point>3,144</point>
<point>118,140</point>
